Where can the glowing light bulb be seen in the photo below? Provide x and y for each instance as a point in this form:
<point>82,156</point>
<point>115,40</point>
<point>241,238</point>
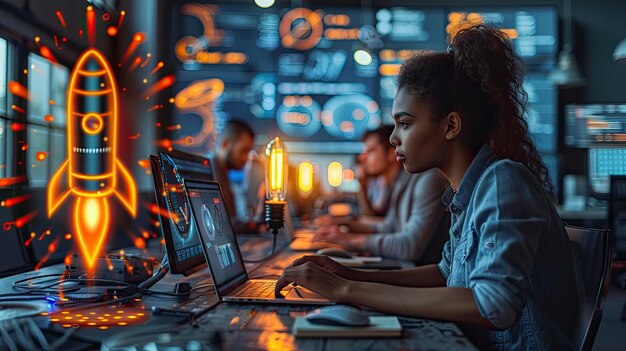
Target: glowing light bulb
<point>305,177</point>
<point>276,174</point>
<point>275,184</point>
<point>335,174</point>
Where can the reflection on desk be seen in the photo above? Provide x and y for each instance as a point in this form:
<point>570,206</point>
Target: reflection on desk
<point>264,327</point>
<point>225,326</point>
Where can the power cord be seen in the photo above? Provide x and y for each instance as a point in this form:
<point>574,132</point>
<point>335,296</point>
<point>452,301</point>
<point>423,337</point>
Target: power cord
<point>25,334</point>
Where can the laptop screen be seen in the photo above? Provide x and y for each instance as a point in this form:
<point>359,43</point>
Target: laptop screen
<point>219,243</point>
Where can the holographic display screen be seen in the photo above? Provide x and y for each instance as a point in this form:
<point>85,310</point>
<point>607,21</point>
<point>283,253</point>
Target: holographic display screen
<point>219,243</point>
<point>179,231</point>
<point>328,74</point>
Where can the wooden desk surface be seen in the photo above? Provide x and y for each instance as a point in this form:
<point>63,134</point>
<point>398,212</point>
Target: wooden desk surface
<point>228,326</point>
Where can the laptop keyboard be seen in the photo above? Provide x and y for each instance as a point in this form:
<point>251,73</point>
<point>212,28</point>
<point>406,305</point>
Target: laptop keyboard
<point>258,289</point>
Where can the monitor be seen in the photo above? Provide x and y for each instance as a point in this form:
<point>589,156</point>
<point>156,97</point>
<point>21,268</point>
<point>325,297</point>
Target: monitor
<point>595,125</point>
<point>220,245</point>
<point>603,163</point>
<point>182,244</point>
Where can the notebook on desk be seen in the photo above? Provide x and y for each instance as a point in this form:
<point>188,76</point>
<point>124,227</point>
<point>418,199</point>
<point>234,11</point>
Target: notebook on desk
<point>223,255</point>
<point>380,326</point>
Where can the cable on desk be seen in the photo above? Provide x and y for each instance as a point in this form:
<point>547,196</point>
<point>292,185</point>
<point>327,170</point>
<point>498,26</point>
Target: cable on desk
<point>25,334</point>
<point>195,288</point>
<point>143,287</point>
<point>266,256</point>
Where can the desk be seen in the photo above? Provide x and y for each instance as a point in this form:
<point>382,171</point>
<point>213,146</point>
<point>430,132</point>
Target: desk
<point>225,327</point>
<point>591,217</point>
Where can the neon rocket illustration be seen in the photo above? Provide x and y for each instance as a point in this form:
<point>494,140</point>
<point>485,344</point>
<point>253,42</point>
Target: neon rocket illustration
<point>92,172</point>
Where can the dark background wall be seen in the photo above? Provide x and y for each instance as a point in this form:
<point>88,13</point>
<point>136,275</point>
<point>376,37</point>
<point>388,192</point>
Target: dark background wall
<point>598,28</point>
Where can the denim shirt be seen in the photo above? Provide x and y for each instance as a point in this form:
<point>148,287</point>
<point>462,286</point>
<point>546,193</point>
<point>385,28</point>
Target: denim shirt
<point>508,244</point>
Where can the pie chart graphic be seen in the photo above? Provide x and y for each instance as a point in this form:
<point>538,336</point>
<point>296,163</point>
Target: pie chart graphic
<point>207,222</point>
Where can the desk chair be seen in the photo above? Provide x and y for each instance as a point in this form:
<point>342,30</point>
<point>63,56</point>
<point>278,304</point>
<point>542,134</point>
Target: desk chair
<point>593,249</point>
<point>617,214</point>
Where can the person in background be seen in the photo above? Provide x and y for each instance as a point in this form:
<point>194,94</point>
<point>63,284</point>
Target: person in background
<point>379,172</point>
<point>508,276</point>
<point>231,153</point>
<point>415,227</point>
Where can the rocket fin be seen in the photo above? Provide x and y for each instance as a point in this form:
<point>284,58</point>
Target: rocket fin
<point>57,188</point>
<point>126,190</point>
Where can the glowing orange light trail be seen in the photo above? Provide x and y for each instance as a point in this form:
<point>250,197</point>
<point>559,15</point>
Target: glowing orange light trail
<point>140,243</point>
<point>4,182</point>
<point>51,249</point>
<point>108,261</point>
<point>43,234</point>
<point>20,222</point>
<point>56,42</point>
<point>155,209</point>
<point>30,240</point>
<point>144,164</point>
<point>112,31</point>
<point>18,89</point>
<point>61,19</point>
<point>164,143</point>
<point>122,14</point>
<point>144,63</point>
<point>10,202</point>
<point>138,38</point>
<point>157,67</point>
<point>45,52</point>
<point>18,109</point>
<point>91,25</point>
<point>164,83</point>
<point>16,127</point>
<point>135,63</point>
<point>41,155</point>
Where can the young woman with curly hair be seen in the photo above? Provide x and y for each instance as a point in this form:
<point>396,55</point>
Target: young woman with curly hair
<point>507,277</point>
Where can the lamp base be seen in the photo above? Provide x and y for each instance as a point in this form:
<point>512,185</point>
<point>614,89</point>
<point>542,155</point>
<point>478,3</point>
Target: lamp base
<point>275,214</point>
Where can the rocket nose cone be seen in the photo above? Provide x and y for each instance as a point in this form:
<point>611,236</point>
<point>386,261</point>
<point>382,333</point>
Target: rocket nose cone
<point>91,60</point>
<point>92,64</point>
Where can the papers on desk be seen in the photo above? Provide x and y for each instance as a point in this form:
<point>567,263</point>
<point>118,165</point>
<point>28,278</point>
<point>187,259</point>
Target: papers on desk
<point>356,261</point>
<point>380,326</point>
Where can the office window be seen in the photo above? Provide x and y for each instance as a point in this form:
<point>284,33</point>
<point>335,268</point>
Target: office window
<point>37,159</point>
<point>39,88</point>
<point>4,62</point>
<point>58,149</point>
<point>60,76</point>
<point>46,133</point>
<point>5,153</point>
<point>3,146</point>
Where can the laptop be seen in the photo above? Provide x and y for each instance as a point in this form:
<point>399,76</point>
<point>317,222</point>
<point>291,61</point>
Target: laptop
<point>223,255</point>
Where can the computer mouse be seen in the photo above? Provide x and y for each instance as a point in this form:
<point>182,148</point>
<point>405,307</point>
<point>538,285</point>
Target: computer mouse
<point>338,315</point>
<point>335,252</point>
